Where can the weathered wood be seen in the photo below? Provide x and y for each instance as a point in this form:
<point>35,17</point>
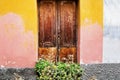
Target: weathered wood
<point>47,24</point>
<point>67,31</point>
<point>67,23</point>
<point>57,26</point>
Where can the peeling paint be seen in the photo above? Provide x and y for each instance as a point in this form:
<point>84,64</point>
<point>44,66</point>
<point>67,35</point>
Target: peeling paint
<point>17,47</point>
<point>91,31</point>
<point>91,44</point>
<point>1,66</point>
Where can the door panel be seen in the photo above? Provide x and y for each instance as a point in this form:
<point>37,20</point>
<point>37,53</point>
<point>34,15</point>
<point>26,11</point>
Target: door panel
<point>68,54</point>
<point>67,23</point>
<point>47,24</point>
<point>48,53</point>
<point>67,31</point>
<point>47,28</point>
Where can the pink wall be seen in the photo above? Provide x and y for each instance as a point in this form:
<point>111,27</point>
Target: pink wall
<point>18,31</point>
<point>17,47</point>
<point>91,44</point>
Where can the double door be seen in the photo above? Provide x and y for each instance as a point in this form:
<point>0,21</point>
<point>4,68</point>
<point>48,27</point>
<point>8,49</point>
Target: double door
<point>57,30</point>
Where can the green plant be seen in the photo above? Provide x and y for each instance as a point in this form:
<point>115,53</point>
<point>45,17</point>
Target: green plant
<point>59,71</point>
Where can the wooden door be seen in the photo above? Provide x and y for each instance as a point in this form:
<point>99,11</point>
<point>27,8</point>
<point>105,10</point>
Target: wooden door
<point>47,30</point>
<point>57,30</point>
<point>67,17</point>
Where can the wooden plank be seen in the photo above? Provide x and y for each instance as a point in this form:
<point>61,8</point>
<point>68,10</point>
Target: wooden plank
<point>67,23</point>
<point>47,24</point>
<point>67,31</point>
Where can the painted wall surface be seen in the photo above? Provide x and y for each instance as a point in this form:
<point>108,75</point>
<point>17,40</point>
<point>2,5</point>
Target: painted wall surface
<point>91,31</point>
<point>111,38</point>
<point>96,44</point>
<point>18,33</point>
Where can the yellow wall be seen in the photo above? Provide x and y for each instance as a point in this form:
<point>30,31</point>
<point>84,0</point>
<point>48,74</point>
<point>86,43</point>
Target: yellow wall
<point>25,8</point>
<point>18,33</point>
<point>22,41</point>
<point>91,31</point>
<point>92,11</point>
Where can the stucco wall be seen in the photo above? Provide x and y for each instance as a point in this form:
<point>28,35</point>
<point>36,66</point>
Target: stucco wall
<point>111,38</point>
<point>18,33</point>
<point>98,32</point>
<point>91,31</point>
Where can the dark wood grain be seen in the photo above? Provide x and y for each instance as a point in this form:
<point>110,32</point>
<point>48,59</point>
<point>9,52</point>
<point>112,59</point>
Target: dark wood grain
<point>67,31</point>
<point>47,24</point>
<point>67,23</point>
<point>57,30</point>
